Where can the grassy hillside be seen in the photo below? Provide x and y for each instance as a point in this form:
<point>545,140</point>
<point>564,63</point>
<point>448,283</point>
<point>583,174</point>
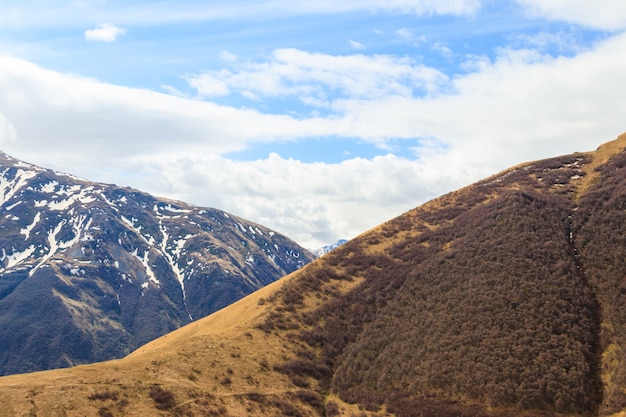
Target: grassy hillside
<point>503,298</point>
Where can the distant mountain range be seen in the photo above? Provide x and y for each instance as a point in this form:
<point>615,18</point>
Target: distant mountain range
<point>91,271</point>
<point>325,249</point>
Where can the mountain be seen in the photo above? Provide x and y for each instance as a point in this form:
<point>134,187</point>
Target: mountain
<point>504,298</point>
<point>90,272</point>
<point>327,248</point>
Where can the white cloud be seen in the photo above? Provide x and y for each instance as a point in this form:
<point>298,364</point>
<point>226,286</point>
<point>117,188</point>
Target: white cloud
<point>209,85</point>
<point>599,14</point>
<point>418,7</point>
<point>556,42</point>
<point>29,13</point>
<point>316,202</point>
<point>356,45</point>
<point>520,106</point>
<point>454,7</point>
<point>117,121</point>
<point>404,33</point>
<point>104,33</point>
<point>442,49</point>
<point>228,56</point>
<point>314,76</point>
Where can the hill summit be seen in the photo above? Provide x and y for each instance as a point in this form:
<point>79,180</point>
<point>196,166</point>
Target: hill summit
<point>504,298</point>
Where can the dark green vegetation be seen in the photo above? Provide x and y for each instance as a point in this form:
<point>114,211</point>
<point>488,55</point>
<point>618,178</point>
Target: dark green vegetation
<point>90,272</point>
<point>505,298</point>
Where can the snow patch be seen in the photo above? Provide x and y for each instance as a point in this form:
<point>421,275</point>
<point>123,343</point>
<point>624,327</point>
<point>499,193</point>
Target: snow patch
<point>49,187</point>
<point>16,258</point>
<point>146,264</point>
<point>13,205</point>
<point>173,209</point>
<point>8,188</point>
<point>173,260</point>
<point>60,205</point>
<point>26,231</point>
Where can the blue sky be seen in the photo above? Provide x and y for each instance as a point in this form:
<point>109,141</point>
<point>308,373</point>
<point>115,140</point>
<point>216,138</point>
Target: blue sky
<point>318,119</point>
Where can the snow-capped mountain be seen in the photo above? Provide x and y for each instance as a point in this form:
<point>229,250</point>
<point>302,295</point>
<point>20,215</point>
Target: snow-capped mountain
<point>325,249</point>
<point>91,271</point>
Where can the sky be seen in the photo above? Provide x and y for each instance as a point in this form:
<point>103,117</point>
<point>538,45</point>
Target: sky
<point>318,119</point>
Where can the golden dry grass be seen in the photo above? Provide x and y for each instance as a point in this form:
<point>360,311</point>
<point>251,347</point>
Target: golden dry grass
<point>600,156</point>
<point>209,364</point>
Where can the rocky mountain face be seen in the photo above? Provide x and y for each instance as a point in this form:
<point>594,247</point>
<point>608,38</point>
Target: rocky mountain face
<point>90,271</point>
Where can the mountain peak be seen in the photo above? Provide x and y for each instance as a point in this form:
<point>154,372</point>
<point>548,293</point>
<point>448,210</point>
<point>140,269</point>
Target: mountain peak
<point>115,267</point>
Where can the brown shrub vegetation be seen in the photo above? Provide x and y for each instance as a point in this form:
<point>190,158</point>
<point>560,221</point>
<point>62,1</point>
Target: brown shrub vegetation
<point>163,399</point>
<point>489,303</point>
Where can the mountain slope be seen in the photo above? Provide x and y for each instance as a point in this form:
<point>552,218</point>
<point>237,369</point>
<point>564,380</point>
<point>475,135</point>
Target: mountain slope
<point>504,298</point>
<point>90,271</point>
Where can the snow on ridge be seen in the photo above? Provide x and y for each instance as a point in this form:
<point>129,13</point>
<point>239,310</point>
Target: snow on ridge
<point>65,174</point>
<point>170,207</point>
<point>8,188</point>
<point>22,164</point>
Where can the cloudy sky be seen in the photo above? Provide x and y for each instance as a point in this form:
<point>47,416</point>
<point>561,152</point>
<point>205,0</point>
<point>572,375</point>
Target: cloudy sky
<point>320,119</point>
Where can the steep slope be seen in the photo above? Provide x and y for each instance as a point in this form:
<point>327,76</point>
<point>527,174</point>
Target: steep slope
<point>504,298</point>
<point>90,272</point>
